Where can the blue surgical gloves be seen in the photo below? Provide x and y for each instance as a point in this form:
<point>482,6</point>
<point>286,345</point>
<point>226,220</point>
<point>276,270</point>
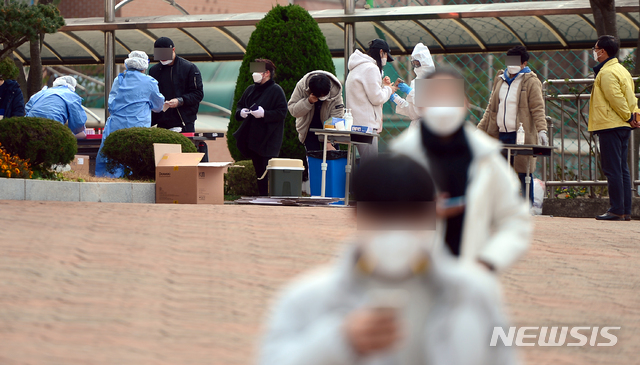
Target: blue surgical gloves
<point>404,88</point>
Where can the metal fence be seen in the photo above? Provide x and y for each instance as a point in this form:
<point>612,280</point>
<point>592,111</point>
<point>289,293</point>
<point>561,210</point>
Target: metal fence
<point>576,164</point>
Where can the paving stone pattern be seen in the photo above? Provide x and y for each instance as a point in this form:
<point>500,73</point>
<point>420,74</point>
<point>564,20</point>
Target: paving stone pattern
<point>100,283</point>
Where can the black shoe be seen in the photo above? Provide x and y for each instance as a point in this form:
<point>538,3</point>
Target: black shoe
<point>627,217</point>
<point>608,216</point>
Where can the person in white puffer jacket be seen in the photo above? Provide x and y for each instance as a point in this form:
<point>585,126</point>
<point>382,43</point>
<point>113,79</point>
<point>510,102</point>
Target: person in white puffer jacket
<point>423,65</point>
<point>367,91</point>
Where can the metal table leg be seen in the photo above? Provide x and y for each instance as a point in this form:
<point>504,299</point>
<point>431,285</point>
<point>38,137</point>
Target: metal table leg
<point>324,167</point>
<point>347,170</point>
<point>527,181</point>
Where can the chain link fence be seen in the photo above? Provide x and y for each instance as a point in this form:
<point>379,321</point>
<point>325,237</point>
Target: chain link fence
<point>479,71</point>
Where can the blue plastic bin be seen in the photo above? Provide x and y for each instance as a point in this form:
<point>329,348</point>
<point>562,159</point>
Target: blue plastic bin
<point>336,175</point>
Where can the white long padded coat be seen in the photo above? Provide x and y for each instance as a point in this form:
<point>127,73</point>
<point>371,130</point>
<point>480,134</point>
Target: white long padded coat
<point>497,225</point>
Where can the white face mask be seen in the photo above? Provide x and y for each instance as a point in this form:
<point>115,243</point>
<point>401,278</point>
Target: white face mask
<point>513,69</point>
<point>397,253</point>
<point>257,77</point>
<point>444,121</point>
<point>324,98</point>
<point>595,55</point>
<point>383,61</point>
<point>166,62</point>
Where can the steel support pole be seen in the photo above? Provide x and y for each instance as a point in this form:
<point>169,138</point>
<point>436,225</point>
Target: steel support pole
<point>349,35</point>
<point>109,53</point>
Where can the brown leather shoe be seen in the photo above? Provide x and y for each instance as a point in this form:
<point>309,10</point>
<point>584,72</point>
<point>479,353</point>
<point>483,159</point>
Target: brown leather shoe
<point>608,216</point>
<point>627,217</point>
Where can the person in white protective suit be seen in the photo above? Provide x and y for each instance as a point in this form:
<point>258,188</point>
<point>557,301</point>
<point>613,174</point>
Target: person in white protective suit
<point>391,298</point>
<point>423,65</point>
<point>485,218</point>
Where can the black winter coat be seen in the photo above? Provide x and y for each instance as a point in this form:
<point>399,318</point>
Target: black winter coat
<point>185,82</point>
<point>12,100</point>
<point>262,136</point>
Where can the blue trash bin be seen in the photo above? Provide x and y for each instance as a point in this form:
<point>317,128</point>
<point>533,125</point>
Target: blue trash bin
<point>336,175</point>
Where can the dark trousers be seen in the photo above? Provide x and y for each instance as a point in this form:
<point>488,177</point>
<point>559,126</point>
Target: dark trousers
<point>260,165</point>
<point>510,138</point>
<point>614,147</point>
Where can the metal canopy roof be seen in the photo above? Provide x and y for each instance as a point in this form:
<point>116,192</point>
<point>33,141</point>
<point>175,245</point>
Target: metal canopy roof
<point>544,25</point>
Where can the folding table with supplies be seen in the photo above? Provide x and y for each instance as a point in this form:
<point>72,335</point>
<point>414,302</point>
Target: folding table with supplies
<point>340,137</point>
<point>527,150</point>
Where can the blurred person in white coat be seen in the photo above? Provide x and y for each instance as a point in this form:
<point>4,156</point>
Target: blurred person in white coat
<point>367,91</point>
<point>423,65</point>
<point>485,218</point>
<point>390,298</point>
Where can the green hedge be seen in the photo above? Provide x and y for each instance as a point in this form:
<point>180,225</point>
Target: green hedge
<point>133,149</point>
<point>241,181</point>
<point>43,142</point>
<point>292,39</point>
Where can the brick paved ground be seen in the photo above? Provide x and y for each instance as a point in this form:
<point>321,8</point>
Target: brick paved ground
<point>84,283</point>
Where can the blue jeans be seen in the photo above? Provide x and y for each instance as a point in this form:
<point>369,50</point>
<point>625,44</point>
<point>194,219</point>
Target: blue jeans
<point>614,146</point>
<point>510,138</point>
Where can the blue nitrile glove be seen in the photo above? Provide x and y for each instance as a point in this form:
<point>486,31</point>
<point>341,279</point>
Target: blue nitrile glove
<point>393,98</point>
<point>404,88</point>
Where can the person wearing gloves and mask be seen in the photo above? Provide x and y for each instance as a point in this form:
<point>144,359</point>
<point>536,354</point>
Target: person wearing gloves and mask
<point>132,98</point>
<point>517,99</point>
<point>367,91</point>
<point>262,110</point>
<point>180,82</point>
<point>61,103</point>
<point>423,65</point>
<point>392,297</point>
<point>316,98</point>
<point>485,218</point>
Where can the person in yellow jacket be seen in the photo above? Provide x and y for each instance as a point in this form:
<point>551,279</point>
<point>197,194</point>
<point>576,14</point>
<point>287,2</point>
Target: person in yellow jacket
<point>611,116</point>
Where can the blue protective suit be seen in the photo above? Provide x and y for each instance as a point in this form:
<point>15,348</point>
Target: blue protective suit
<point>58,103</point>
<point>132,98</point>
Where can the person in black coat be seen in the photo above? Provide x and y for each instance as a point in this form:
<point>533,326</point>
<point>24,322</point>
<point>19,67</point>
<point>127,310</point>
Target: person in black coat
<point>180,82</point>
<point>262,109</point>
<point>11,99</point>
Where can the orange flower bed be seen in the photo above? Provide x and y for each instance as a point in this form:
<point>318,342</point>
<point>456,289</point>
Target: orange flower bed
<point>13,167</point>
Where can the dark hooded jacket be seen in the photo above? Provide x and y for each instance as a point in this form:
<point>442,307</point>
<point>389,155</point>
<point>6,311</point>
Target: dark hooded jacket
<point>180,80</point>
<point>11,99</point>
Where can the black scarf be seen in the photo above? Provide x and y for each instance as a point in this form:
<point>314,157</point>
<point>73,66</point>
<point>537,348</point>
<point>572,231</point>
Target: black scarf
<point>449,160</point>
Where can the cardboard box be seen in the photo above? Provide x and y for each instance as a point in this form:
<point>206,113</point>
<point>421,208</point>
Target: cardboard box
<point>182,179</point>
<point>80,164</point>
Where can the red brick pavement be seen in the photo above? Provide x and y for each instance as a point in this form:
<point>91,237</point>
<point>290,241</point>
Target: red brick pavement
<point>84,283</point>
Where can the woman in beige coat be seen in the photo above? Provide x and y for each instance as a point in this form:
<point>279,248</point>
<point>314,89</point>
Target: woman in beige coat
<point>517,98</point>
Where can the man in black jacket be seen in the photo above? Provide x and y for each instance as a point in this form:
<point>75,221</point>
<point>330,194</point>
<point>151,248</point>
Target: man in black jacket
<point>11,99</point>
<point>181,84</point>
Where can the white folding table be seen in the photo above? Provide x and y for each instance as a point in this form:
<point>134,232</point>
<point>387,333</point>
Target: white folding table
<point>527,150</point>
<point>341,137</point>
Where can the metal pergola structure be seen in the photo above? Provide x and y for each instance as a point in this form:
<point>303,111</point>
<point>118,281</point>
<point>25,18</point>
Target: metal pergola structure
<point>445,29</point>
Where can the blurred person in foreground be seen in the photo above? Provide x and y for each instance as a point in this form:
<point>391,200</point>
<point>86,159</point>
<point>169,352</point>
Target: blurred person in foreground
<point>517,99</point>
<point>392,297</point>
<point>132,98</point>
<point>612,114</point>
<point>316,98</point>
<point>485,218</point>
<point>61,103</point>
<point>422,63</point>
